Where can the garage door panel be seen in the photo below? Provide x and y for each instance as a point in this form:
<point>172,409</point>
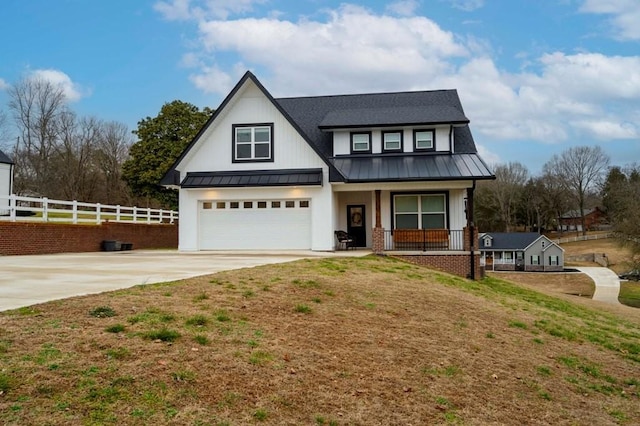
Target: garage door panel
<point>255,229</point>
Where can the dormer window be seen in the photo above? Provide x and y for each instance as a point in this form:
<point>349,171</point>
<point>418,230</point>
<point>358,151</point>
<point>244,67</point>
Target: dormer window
<point>361,142</point>
<point>487,242</point>
<point>392,141</point>
<point>424,140</point>
<point>252,142</point>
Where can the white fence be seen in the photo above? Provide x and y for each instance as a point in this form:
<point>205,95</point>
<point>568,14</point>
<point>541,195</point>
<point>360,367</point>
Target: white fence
<point>583,238</point>
<point>17,208</point>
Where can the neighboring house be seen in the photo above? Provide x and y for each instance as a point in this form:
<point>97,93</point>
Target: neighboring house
<point>6,182</point>
<point>520,251</point>
<point>593,219</point>
<point>270,174</point>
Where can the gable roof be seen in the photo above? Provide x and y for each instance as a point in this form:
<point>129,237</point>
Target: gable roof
<point>575,214</point>
<point>4,158</point>
<point>510,240</point>
<point>312,116</point>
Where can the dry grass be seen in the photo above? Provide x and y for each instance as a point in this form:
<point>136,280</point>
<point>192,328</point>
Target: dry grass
<point>357,341</point>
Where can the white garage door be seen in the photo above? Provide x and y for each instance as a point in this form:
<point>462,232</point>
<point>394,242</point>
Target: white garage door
<point>255,225</point>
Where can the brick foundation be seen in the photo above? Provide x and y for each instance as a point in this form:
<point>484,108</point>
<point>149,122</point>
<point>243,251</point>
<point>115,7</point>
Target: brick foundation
<point>377,245</point>
<point>47,238</point>
<point>457,264</point>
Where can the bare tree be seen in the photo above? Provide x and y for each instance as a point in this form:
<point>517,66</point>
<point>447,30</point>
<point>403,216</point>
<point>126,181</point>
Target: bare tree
<point>506,191</point>
<point>111,151</point>
<point>36,106</point>
<point>579,169</point>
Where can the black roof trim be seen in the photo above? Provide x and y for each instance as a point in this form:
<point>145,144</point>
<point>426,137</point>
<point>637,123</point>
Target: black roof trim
<point>253,178</point>
<point>5,159</point>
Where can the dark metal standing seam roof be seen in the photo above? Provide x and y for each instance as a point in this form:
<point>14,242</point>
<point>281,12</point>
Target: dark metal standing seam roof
<point>425,167</point>
<point>5,158</point>
<point>253,178</point>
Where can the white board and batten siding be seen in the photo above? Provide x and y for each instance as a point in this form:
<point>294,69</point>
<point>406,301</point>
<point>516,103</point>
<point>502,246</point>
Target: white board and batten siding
<point>255,228</point>
<point>342,140</point>
<point>5,186</point>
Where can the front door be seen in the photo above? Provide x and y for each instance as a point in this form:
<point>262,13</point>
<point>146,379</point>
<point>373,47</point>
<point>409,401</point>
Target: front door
<point>356,224</point>
<point>519,261</point>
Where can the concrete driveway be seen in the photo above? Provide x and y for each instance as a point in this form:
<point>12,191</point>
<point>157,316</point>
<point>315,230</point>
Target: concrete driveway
<point>28,280</point>
<point>606,281</point>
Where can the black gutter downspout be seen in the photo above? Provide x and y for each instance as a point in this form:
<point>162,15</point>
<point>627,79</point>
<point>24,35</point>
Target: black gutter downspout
<point>451,139</point>
<point>471,227</point>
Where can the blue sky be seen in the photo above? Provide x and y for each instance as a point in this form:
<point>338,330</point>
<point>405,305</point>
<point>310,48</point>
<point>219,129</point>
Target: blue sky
<point>535,77</point>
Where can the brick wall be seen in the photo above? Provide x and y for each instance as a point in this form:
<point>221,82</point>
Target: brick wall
<point>457,264</point>
<point>46,238</point>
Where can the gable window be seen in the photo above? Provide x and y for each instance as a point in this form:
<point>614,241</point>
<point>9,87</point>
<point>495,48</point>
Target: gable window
<point>392,141</point>
<point>420,211</point>
<point>361,143</point>
<point>487,242</point>
<point>424,140</point>
<point>253,142</point>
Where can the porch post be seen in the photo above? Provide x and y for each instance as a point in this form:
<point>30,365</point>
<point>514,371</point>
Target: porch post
<point>378,232</point>
<point>472,234</point>
<point>378,216</point>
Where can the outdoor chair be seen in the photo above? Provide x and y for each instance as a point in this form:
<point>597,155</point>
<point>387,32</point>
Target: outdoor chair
<point>345,241</point>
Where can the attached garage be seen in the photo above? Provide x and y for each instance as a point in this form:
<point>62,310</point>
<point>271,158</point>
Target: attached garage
<point>255,224</point>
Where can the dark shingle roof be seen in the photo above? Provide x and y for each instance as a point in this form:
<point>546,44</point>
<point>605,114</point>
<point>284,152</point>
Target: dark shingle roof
<point>5,158</point>
<point>253,178</point>
<point>432,167</point>
<point>392,116</point>
<point>509,240</point>
<point>309,113</point>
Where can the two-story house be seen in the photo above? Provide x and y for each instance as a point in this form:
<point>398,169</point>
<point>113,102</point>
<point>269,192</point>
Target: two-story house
<point>396,171</point>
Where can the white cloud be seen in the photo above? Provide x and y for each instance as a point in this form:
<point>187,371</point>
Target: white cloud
<point>403,7</point>
<point>174,10</point>
<point>3,84</point>
<point>467,5</point>
<point>349,51</point>
<point>72,91</point>
<point>212,80</point>
<point>568,98</point>
<point>488,156</point>
<point>182,10</point>
<point>625,16</point>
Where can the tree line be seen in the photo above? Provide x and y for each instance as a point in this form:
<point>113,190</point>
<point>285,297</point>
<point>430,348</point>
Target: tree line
<point>574,181</point>
<point>61,155</point>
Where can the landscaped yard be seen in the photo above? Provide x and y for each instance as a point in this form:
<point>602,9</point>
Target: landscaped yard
<point>339,341</point>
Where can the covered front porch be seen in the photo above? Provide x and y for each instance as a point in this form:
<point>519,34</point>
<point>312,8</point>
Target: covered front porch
<point>425,223</point>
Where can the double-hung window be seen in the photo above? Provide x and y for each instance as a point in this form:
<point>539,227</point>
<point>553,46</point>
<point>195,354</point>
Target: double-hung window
<point>424,140</point>
<point>535,259</point>
<point>360,142</point>
<point>553,260</point>
<point>426,211</point>
<point>392,141</point>
<point>252,142</point>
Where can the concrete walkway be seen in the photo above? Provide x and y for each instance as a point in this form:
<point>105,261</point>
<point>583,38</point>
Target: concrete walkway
<point>606,281</point>
<point>28,280</point>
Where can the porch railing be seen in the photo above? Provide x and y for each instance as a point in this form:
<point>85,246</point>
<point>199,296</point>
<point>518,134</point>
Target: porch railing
<point>423,240</point>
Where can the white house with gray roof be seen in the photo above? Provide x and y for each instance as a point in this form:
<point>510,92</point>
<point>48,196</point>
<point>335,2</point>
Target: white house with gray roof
<point>520,251</point>
<point>6,181</point>
<point>396,171</point>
